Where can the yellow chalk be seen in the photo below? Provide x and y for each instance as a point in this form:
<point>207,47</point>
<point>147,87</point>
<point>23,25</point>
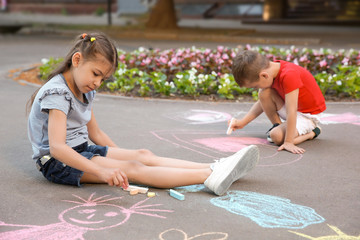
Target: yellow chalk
<point>151,194</point>
<point>134,191</point>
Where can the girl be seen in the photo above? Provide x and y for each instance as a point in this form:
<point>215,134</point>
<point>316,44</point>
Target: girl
<point>61,121</point>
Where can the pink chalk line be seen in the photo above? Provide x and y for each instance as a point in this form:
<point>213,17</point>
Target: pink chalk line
<point>219,145</point>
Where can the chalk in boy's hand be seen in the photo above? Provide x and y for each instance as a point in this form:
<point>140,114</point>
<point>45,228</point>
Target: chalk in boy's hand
<point>229,130</point>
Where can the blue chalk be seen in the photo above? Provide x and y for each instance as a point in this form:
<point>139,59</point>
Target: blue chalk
<point>176,195</point>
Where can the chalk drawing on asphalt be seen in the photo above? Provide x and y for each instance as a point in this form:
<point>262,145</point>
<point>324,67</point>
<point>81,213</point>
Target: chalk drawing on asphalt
<point>214,145</point>
<point>178,234</point>
<point>268,211</point>
<point>348,117</point>
<point>191,188</point>
<point>340,235</point>
<point>92,214</point>
<point>198,116</point>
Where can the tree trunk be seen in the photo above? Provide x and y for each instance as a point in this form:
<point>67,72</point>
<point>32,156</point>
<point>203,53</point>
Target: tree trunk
<point>162,15</point>
<point>274,9</point>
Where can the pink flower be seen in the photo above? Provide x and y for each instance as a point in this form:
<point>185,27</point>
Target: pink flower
<point>220,48</point>
<point>296,61</point>
<point>248,46</point>
<point>225,56</point>
<point>146,61</point>
<point>220,61</point>
<point>303,58</point>
<point>323,63</point>
<point>122,57</point>
<point>163,60</point>
<point>174,60</point>
<point>345,60</point>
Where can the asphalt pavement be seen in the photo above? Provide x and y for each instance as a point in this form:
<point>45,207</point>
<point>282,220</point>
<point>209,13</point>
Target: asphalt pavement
<point>310,196</point>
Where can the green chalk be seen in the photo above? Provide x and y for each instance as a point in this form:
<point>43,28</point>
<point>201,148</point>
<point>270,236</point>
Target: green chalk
<point>177,195</point>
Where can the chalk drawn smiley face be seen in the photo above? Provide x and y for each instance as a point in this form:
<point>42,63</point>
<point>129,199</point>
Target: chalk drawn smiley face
<point>95,217</point>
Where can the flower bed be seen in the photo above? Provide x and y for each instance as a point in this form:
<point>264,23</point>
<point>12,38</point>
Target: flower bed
<point>194,72</point>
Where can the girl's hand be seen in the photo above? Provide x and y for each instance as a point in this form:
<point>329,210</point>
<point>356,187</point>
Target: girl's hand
<point>291,148</point>
<point>114,177</point>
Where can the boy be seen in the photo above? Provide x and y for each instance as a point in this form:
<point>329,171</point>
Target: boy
<point>286,91</point>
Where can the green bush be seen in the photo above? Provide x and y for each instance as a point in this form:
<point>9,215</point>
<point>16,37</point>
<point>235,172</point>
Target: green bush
<point>201,71</point>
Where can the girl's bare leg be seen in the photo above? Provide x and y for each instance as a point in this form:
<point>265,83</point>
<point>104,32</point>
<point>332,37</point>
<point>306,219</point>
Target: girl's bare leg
<point>147,158</point>
<point>155,176</point>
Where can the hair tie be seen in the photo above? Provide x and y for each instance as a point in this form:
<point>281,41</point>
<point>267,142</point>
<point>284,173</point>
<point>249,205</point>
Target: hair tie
<point>92,39</point>
<point>83,35</point>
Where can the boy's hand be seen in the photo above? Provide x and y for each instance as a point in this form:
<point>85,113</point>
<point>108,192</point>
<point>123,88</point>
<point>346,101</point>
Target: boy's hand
<point>291,148</point>
<point>114,177</point>
<point>235,124</point>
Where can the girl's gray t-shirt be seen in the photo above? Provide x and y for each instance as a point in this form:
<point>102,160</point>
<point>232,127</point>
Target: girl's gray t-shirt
<point>55,94</point>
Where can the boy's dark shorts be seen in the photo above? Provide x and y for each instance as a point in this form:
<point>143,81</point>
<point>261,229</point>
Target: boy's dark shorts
<point>57,172</point>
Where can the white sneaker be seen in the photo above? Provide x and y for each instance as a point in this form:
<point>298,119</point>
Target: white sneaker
<point>228,170</point>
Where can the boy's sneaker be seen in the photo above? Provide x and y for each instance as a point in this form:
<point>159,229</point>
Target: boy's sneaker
<point>317,132</point>
<point>228,170</point>
<point>268,133</point>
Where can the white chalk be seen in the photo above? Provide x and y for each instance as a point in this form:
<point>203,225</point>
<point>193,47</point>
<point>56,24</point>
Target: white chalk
<point>177,195</point>
<point>229,130</point>
<point>140,189</point>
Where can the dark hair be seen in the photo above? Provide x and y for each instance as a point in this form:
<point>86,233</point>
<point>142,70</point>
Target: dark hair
<point>247,66</point>
<point>89,45</point>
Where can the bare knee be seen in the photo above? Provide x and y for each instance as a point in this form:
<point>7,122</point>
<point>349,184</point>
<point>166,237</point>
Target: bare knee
<point>265,94</point>
<point>136,171</point>
<point>134,167</point>
<point>145,156</point>
<point>269,97</point>
<point>144,152</point>
<point>277,136</point>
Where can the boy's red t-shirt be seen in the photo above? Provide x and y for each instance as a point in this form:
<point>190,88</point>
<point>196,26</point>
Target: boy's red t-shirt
<point>291,77</point>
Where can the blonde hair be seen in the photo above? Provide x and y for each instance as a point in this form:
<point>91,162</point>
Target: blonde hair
<point>247,66</point>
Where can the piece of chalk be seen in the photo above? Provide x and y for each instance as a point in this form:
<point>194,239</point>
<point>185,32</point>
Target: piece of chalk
<point>229,130</point>
<point>151,194</point>
<point>140,189</point>
<point>134,191</point>
<point>177,195</point>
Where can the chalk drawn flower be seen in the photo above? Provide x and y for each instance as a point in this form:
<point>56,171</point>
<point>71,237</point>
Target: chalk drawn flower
<point>181,235</point>
<point>268,211</point>
<point>340,235</point>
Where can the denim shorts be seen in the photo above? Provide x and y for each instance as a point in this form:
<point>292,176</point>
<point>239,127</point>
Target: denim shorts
<point>57,172</point>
